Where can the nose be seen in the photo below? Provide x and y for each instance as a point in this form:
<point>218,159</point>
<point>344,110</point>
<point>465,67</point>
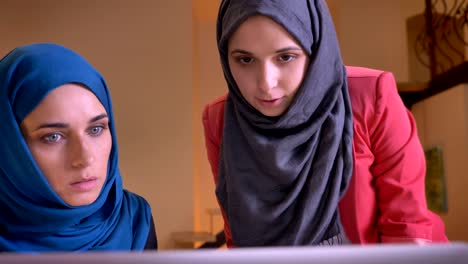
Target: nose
<point>267,77</point>
<point>81,153</point>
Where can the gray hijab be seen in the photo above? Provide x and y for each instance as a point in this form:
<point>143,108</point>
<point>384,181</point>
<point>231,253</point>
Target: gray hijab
<point>280,179</point>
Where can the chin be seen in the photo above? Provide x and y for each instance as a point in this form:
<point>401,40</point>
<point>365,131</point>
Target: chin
<point>272,113</point>
<point>81,201</point>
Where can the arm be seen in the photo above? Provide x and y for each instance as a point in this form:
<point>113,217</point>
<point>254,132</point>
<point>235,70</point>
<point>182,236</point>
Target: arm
<point>399,169</point>
<point>212,148</point>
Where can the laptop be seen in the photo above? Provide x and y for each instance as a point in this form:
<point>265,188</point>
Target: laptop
<point>453,253</point>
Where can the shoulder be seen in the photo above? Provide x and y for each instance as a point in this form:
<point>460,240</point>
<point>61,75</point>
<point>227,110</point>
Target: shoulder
<point>152,240</point>
<point>215,107</point>
<point>213,117</point>
<point>368,87</point>
<point>362,72</point>
<point>366,81</point>
<point>133,199</point>
<point>138,211</point>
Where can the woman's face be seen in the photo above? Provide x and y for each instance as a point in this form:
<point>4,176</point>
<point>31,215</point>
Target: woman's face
<point>69,137</point>
<point>267,63</point>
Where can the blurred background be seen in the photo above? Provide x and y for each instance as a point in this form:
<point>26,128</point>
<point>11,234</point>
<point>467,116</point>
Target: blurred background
<point>160,60</point>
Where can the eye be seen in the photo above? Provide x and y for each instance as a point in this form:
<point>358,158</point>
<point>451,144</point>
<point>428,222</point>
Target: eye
<point>96,130</point>
<point>51,138</point>
<point>245,60</point>
<point>287,57</point>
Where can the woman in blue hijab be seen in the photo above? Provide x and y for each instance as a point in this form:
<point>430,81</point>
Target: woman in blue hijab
<point>60,185</point>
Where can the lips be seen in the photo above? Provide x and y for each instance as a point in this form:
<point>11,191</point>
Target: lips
<point>270,102</point>
<point>84,185</point>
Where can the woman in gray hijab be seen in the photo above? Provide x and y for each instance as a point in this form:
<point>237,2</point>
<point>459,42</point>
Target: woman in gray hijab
<point>304,150</point>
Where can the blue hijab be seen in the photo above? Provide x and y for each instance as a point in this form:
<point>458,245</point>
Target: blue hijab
<point>33,217</point>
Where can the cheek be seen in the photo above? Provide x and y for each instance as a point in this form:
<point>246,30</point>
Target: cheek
<point>295,77</point>
<point>51,163</point>
<point>106,142</point>
<point>245,80</point>
<point>105,147</point>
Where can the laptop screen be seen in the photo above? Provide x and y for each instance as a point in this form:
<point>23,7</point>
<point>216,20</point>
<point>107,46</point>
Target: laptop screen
<point>454,253</point>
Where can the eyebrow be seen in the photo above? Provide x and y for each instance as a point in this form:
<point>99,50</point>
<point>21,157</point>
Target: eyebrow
<point>97,118</point>
<point>64,125</point>
<point>278,51</point>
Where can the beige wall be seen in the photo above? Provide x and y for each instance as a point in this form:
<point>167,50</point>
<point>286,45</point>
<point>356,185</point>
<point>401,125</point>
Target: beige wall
<point>208,85</point>
<point>212,85</point>
<point>373,33</point>
<point>144,49</point>
<point>443,122</point>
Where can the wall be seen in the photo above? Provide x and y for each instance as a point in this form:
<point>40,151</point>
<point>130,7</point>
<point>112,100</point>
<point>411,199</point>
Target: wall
<point>442,121</point>
<point>144,50</point>
<point>373,33</point>
<point>208,85</point>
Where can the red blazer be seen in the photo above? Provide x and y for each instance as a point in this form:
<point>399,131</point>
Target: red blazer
<point>385,201</point>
